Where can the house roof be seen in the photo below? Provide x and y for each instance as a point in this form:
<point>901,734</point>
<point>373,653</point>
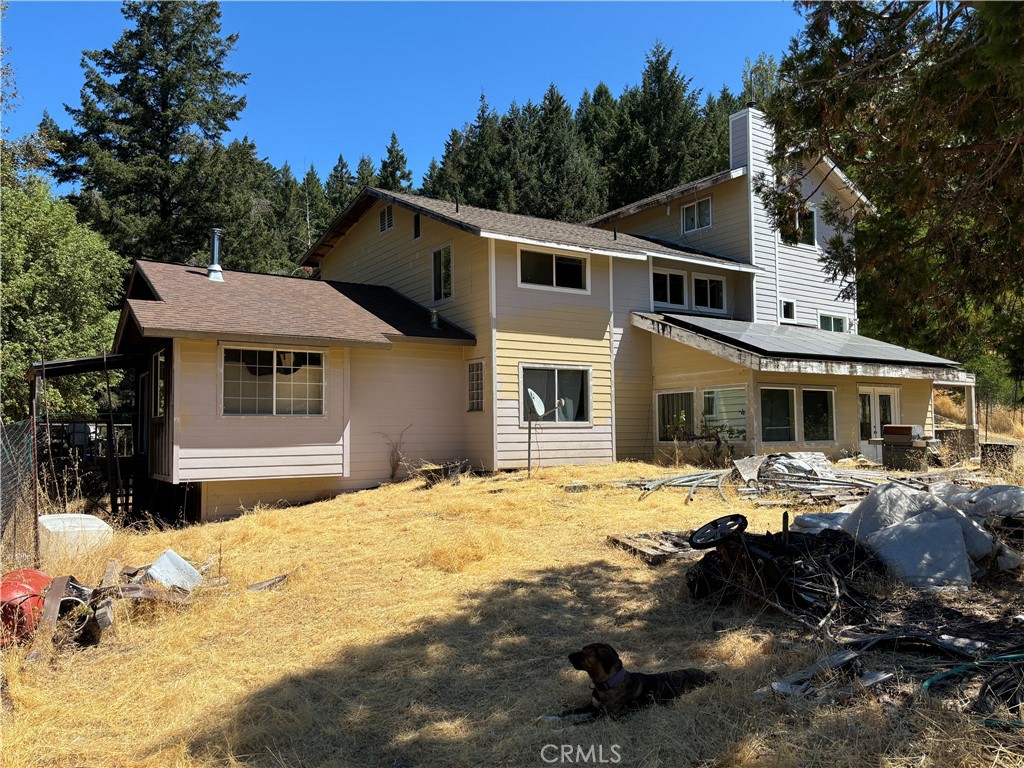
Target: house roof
<point>789,348</point>
<point>667,196</point>
<point>182,302</point>
<point>528,230</point>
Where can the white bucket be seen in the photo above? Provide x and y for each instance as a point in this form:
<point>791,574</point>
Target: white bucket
<point>72,535</point>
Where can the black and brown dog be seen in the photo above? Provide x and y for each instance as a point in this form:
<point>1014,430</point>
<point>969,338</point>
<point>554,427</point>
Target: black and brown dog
<point>617,691</point>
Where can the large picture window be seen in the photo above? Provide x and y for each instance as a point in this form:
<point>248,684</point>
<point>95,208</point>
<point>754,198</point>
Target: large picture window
<point>819,415</point>
<point>725,412</point>
<point>551,270</point>
<point>778,415</point>
<point>676,418</point>
<point>273,382</point>
<point>570,385</point>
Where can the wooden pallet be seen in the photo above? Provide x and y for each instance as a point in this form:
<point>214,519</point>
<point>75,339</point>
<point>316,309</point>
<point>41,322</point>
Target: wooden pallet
<point>656,547</point>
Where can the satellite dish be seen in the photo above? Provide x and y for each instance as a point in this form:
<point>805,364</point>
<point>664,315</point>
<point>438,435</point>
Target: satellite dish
<point>536,402</point>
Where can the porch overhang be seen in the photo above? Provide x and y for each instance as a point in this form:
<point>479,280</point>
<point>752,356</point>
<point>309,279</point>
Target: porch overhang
<point>732,340</point>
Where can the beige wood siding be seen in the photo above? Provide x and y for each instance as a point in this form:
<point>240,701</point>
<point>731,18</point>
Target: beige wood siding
<point>548,327</point>
<point>728,235</point>
<point>395,259</point>
<point>212,446</point>
<point>418,388</point>
<point>631,349</point>
<point>230,498</point>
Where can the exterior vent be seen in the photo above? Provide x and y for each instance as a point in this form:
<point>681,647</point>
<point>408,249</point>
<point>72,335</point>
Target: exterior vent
<point>213,272</point>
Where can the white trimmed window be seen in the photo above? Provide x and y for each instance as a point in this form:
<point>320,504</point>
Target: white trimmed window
<point>787,310</point>
<point>819,415</point>
<point>725,412</point>
<point>475,385</point>
<point>273,382</point>
<point>676,416</point>
<point>709,293</point>
<point>807,220</point>
<point>778,415</point>
<point>442,269</point>
<point>553,271</point>
<point>571,386</point>
<point>697,215</point>
<point>387,218</point>
<point>669,287</point>
<point>832,323</point>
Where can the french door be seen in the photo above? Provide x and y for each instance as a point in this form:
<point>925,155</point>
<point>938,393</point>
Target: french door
<point>878,406</point>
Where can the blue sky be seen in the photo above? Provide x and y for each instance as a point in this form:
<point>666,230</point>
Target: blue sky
<point>330,77</point>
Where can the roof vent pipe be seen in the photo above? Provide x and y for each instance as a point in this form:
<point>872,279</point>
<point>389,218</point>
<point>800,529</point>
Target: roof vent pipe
<point>214,272</point>
<point>433,318</point>
<point>615,233</point>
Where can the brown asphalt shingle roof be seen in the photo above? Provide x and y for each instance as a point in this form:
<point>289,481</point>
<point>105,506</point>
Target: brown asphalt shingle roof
<point>506,226</point>
<point>250,306</point>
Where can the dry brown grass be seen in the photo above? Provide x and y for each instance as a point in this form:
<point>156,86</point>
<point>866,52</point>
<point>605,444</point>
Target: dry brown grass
<point>1000,421</point>
<point>430,628</point>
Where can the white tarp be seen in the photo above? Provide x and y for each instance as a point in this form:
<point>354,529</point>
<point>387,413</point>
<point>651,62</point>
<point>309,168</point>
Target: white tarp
<point>927,555</point>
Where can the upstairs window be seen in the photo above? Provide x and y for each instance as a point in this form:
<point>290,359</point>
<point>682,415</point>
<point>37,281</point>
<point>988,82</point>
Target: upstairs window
<point>709,293</point>
<point>443,273</point>
<point>669,288</point>
<point>548,269</point>
<point>387,218</point>
<point>832,323</point>
<point>787,309</point>
<point>806,220</point>
<point>697,215</point>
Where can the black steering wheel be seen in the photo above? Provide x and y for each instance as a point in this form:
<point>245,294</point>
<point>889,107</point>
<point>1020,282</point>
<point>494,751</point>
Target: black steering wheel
<point>714,533</point>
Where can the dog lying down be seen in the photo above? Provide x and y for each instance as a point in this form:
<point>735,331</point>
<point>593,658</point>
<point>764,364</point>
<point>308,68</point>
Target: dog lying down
<point>617,691</point>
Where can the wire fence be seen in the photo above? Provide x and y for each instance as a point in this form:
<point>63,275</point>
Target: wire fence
<point>18,505</point>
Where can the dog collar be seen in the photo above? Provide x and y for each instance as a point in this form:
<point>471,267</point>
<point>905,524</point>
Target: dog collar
<point>612,681</point>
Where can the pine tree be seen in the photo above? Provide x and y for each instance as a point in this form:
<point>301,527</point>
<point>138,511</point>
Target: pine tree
<point>340,186</point>
<point>366,174</point>
<point>289,213</point>
<point>567,175</point>
<point>148,104</point>
<point>316,209</point>
<point>430,186</point>
<point>923,107</point>
<point>654,143</point>
<point>394,171</point>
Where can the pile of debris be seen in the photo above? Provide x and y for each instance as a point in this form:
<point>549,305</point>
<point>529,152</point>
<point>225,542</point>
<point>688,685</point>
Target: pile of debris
<point>942,537</point>
<point>807,478</point>
<point>42,610</point>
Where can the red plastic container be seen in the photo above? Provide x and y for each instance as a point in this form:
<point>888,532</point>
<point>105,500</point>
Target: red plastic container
<point>21,603</point>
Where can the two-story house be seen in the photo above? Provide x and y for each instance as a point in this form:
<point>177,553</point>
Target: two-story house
<point>431,323</point>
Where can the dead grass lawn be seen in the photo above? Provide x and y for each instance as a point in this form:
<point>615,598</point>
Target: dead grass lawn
<point>430,628</point>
